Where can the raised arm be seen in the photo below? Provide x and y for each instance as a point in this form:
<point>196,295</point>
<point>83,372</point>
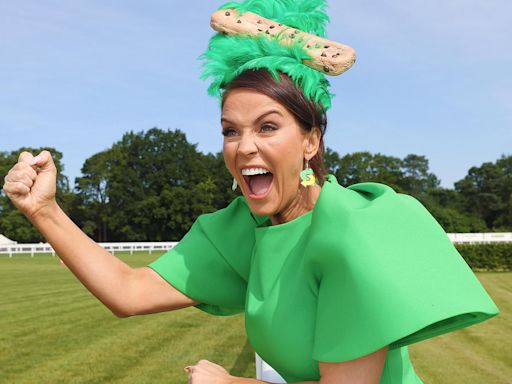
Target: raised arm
<point>126,291</point>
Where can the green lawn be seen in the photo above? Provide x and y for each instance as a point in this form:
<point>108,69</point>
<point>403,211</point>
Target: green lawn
<point>54,331</point>
<point>481,353</point>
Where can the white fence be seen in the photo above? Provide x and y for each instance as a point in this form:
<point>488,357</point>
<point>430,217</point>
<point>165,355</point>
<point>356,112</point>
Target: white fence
<point>474,238</point>
<point>33,249</point>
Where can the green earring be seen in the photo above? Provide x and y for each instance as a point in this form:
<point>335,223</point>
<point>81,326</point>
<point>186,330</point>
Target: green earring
<point>307,176</point>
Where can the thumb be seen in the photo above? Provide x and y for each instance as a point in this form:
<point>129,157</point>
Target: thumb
<point>43,160</point>
<point>25,157</point>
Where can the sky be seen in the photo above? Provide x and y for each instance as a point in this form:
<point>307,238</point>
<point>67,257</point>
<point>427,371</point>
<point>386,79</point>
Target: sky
<point>431,77</point>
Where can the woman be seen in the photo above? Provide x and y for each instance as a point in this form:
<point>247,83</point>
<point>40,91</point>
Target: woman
<point>335,282</point>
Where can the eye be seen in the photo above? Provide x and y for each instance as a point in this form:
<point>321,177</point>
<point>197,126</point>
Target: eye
<point>268,127</point>
<point>228,132</point>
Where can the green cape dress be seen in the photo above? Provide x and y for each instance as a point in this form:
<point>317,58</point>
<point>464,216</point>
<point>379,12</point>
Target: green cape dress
<point>366,268</point>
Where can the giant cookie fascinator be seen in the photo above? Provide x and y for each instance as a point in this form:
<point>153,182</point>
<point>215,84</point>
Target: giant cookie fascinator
<point>279,35</point>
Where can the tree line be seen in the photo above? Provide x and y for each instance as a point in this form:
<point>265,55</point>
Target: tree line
<point>151,186</point>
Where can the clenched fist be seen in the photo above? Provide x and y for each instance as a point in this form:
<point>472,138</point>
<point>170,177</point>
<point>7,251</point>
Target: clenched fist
<point>31,183</point>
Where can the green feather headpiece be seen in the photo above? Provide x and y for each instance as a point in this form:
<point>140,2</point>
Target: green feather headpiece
<point>230,55</point>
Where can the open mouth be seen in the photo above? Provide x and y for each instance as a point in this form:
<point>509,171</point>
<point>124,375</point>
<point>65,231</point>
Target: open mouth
<point>258,181</point>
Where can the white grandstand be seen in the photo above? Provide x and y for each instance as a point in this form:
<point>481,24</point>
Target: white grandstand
<point>5,241</point>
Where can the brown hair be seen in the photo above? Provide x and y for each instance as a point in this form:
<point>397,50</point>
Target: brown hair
<point>307,113</point>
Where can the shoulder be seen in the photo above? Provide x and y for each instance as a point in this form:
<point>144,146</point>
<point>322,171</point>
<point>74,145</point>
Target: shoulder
<point>362,201</point>
<point>229,230</point>
<point>227,234</point>
<point>366,222</point>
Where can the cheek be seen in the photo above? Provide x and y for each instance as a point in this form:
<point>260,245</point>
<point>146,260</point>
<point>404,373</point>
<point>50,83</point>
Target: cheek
<point>283,148</point>
<point>287,164</point>
<point>288,155</point>
<point>229,153</point>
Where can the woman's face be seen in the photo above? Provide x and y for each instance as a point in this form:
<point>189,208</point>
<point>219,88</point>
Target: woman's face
<point>264,149</point>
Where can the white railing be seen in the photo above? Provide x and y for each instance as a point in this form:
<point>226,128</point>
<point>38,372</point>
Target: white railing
<point>34,249</point>
<point>473,238</point>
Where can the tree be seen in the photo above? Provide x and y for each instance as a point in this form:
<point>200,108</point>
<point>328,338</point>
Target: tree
<point>486,191</point>
<point>409,175</point>
<point>149,186</point>
<point>417,179</point>
<point>445,205</point>
<point>92,195</point>
<point>223,181</point>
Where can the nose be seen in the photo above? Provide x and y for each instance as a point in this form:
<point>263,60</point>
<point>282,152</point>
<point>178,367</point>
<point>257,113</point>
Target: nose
<point>247,145</point>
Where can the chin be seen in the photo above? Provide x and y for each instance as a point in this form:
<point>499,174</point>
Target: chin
<point>260,208</point>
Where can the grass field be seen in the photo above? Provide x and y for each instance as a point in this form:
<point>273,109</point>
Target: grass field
<point>54,331</point>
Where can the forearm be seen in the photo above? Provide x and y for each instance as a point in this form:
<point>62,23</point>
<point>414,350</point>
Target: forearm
<point>100,272</point>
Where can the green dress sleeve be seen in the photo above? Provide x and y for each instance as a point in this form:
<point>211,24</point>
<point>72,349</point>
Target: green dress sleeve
<point>211,263</point>
<point>385,273</point>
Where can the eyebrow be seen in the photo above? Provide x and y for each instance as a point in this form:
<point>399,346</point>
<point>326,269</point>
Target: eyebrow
<point>261,117</point>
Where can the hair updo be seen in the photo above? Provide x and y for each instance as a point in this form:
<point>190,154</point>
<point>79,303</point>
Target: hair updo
<point>307,113</point>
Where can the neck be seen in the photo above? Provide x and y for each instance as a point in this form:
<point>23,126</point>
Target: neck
<point>303,202</point>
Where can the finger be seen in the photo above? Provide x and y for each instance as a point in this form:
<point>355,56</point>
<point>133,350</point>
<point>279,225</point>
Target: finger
<point>25,157</point>
<point>44,160</point>
<point>26,168</point>
<point>23,170</point>
<point>30,172</point>
<point>16,188</point>
<point>188,369</point>
<point>18,176</point>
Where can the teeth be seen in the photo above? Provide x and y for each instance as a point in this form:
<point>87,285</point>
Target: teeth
<point>254,171</point>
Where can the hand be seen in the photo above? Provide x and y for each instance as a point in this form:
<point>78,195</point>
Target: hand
<point>206,372</point>
<point>31,183</point>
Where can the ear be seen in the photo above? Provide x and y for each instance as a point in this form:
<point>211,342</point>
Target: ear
<point>312,142</point>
